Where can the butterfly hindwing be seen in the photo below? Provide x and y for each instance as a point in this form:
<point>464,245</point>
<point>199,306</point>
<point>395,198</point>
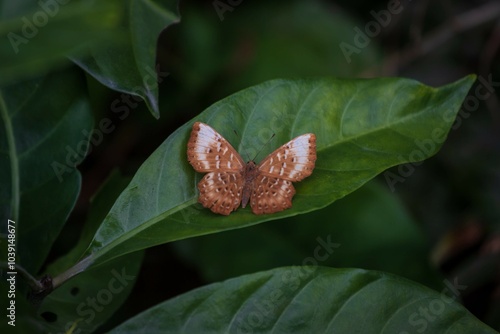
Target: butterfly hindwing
<point>208,151</point>
<point>293,161</point>
<point>221,191</point>
<point>271,194</point>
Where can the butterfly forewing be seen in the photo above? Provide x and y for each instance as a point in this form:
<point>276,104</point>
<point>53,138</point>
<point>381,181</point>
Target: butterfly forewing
<point>271,195</point>
<point>208,151</point>
<point>293,161</point>
<point>220,189</point>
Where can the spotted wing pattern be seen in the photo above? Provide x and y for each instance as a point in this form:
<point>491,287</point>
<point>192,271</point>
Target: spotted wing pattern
<point>293,161</point>
<point>271,195</point>
<point>220,189</point>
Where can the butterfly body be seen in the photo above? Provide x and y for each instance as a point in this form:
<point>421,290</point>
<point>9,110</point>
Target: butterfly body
<point>249,176</point>
<point>230,181</point>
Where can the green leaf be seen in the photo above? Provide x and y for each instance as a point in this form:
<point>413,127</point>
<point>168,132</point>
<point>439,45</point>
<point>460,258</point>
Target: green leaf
<point>362,126</point>
<point>45,125</point>
<point>309,300</point>
<point>80,302</point>
<point>347,233</point>
<point>90,299</point>
<point>38,35</point>
<point>130,67</point>
<point>101,202</point>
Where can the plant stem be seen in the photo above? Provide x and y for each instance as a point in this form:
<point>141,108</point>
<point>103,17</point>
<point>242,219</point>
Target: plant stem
<point>14,163</point>
<point>32,281</point>
<point>76,269</point>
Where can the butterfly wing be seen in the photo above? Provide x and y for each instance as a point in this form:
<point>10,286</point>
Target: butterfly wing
<point>271,194</point>
<point>293,161</point>
<point>220,189</point>
<point>208,151</point>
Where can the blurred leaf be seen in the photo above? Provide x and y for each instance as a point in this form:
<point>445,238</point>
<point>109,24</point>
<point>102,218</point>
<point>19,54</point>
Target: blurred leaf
<point>363,127</point>
<point>241,51</point>
<point>130,67</point>
<point>91,298</point>
<point>284,43</point>
<point>45,130</point>
<point>100,204</point>
<point>368,229</point>
<point>38,35</point>
<point>309,300</point>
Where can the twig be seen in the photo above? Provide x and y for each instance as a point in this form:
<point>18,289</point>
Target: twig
<point>492,46</point>
<point>35,284</point>
<point>76,269</point>
<point>445,32</point>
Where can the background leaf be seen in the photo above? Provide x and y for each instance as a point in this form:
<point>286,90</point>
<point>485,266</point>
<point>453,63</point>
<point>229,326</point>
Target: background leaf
<point>363,127</point>
<point>130,67</point>
<point>224,56</point>
<point>100,204</point>
<point>42,140</point>
<point>309,300</point>
<point>90,299</point>
<point>38,35</point>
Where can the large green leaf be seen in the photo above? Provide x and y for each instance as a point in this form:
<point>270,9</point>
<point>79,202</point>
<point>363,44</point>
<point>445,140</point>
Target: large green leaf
<point>310,300</point>
<point>45,131</point>
<point>368,229</point>
<point>130,67</point>
<point>362,126</point>
<point>38,35</point>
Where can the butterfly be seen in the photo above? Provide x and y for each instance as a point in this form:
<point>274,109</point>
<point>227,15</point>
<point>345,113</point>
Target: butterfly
<point>230,181</point>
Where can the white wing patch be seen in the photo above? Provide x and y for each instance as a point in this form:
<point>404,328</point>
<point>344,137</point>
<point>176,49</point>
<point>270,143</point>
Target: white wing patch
<point>208,151</point>
<point>293,161</point>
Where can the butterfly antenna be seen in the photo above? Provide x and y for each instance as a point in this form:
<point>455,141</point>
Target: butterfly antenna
<point>268,141</point>
<point>246,152</point>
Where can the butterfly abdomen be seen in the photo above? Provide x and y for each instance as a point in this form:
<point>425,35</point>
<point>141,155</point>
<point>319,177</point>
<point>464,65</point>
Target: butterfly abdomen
<point>249,176</point>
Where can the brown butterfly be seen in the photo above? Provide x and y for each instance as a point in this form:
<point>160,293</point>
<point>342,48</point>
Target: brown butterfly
<point>230,181</point>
